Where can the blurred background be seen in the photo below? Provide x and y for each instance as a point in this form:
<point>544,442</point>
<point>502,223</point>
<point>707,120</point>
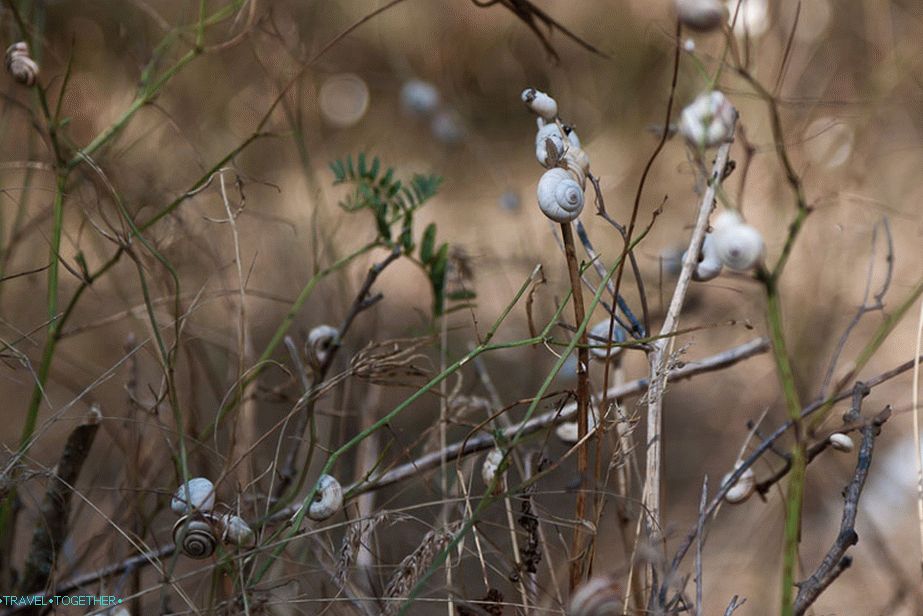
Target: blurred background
<point>433,87</point>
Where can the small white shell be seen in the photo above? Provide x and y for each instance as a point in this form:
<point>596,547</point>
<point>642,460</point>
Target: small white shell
<point>572,136</point>
<point>419,97</point>
<point>569,432</point>
<point>320,344</point>
<point>578,163</point>
<point>598,336</point>
<point>548,138</point>
<point>701,15</point>
<point>23,68</point>
<point>708,121</point>
<point>195,537</point>
<point>726,219</point>
<point>841,442</point>
<point>491,464</point>
<point>328,500</point>
<point>560,197</point>
<point>743,489</point>
<point>237,531</point>
<point>600,596</point>
<point>540,103</point>
<point>710,265</point>
<point>740,247</point>
<point>197,494</point>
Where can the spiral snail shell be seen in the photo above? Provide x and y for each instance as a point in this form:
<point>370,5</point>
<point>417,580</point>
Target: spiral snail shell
<point>560,197</point>
<point>328,500</point>
<point>23,68</point>
<point>709,265</point>
<point>841,442</point>
<point>195,536</point>
<point>743,489</point>
<point>320,344</point>
<point>237,531</point>
<point>599,334</point>
<point>700,15</point>
<point>739,246</point>
<point>599,596</point>
<point>540,103</point>
<point>197,494</point>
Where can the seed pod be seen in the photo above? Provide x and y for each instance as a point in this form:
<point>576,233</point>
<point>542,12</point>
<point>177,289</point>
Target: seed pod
<point>598,597</point>
<point>701,15</point>
<point>197,494</point>
<point>540,103</point>
<point>841,442</point>
<point>320,344</point>
<point>708,121</point>
<point>195,536</point>
<point>328,500</point>
<point>237,531</point>
<point>491,465</point>
<point>743,489</point>
<point>23,68</point>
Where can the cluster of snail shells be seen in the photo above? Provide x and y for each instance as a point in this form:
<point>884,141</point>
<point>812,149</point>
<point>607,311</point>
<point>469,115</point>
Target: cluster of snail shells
<point>599,596</point>
<point>708,121</point>
<point>319,346</point>
<point>742,489</point>
<point>732,243</point>
<point>328,500</point>
<point>22,67</point>
<point>560,190</point>
<point>199,529</point>
<point>700,15</point>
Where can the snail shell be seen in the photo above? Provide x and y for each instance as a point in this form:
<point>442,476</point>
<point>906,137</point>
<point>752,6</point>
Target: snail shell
<point>708,121</point>
<point>195,537</point>
<point>320,344</point>
<point>560,197</point>
<point>549,145</point>
<point>540,103</point>
<point>598,597</point>
<point>572,136</point>
<point>237,531</point>
<point>599,334</point>
<point>740,247</point>
<point>709,265</point>
<point>491,464</point>
<point>569,432</point>
<point>841,442</point>
<point>23,68</point>
<point>419,97</point>
<point>743,489</point>
<point>197,494</point>
<point>578,163</point>
<point>328,500</point>
<point>700,15</point>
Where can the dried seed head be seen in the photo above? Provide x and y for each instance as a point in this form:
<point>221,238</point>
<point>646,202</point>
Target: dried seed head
<point>743,489</point>
<point>197,494</point>
<point>598,597</point>
<point>540,103</point>
<point>708,121</point>
<point>701,15</point>
<point>841,442</point>
<point>23,68</point>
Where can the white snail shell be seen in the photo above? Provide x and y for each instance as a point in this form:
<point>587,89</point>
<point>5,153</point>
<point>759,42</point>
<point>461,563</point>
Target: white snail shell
<point>740,247</point>
<point>197,494</point>
<point>195,537</point>
<point>572,136</point>
<point>569,432</point>
<point>237,531</point>
<point>419,97</point>
<point>23,68</point>
<point>710,264</point>
<point>578,163</point>
<point>540,103</point>
<point>328,500</point>
<point>548,140</point>
<point>598,597</point>
<point>841,442</point>
<point>320,344</point>
<point>708,121</point>
<point>560,197</point>
<point>491,464</point>
<point>743,489</point>
<point>599,334</point>
<point>701,15</point>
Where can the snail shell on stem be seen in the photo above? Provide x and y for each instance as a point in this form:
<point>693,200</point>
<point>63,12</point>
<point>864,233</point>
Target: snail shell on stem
<point>491,465</point>
<point>23,68</point>
<point>195,536</point>
<point>709,265</point>
<point>540,103</point>
<point>328,500</point>
<point>708,121</point>
<point>599,596</point>
<point>700,15</point>
<point>320,344</point>
<point>599,334</point>
<point>197,494</point>
<point>237,531</point>
<point>549,145</point>
<point>560,197</point>
<point>841,442</point>
<point>743,489</point>
<point>740,246</point>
